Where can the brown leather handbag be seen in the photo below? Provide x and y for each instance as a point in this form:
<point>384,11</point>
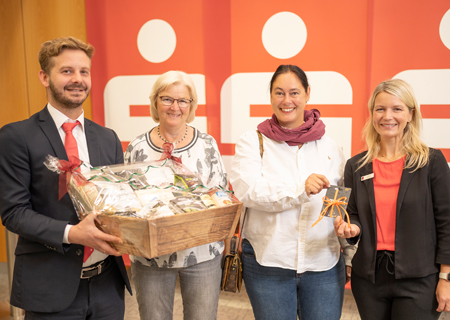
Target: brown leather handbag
<point>232,266</point>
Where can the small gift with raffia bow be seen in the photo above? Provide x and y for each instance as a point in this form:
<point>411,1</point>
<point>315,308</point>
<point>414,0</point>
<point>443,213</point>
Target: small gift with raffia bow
<point>335,203</point>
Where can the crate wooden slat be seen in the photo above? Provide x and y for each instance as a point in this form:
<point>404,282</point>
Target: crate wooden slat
<point>155,237</point>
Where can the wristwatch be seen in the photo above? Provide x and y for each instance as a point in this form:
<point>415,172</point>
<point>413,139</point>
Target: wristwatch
<point>445,276</point>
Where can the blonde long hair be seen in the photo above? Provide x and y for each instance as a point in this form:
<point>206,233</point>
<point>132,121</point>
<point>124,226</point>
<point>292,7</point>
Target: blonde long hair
<point>417,153</point>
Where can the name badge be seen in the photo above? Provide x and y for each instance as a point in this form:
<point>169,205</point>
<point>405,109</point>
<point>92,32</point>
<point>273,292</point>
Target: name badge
<point>368,176</point>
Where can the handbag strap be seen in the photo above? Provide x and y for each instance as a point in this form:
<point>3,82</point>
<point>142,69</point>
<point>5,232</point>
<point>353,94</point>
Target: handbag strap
<point>239,230</point>
<point>261,146</point>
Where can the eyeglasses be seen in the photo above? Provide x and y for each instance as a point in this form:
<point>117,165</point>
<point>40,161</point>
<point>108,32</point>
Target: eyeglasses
<point>182,103</point>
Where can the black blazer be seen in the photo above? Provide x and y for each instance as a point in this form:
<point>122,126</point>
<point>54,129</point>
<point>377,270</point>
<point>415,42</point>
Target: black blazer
<point>46,272</point>
<point>422,235</point>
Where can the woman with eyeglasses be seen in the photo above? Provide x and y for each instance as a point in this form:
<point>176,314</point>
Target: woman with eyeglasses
<point>173,102</point>
<point>289,268</point>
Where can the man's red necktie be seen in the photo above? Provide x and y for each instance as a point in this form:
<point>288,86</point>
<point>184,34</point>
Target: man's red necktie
<point>72,150</point>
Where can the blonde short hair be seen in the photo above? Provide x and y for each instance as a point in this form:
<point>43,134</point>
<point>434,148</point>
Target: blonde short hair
<point>53,48</point>
<point>166,80</point>
<point>416,151</point>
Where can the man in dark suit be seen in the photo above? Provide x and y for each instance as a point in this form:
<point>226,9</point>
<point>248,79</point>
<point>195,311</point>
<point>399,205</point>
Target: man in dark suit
<point>53,278</point>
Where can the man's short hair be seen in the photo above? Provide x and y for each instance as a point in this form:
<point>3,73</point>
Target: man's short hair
<point>53,48</point>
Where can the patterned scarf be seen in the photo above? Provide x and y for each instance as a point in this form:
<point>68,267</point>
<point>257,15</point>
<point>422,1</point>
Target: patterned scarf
<point>312,129</point>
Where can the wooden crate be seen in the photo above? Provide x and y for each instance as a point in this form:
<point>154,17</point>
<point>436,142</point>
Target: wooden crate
<point>155,237</point>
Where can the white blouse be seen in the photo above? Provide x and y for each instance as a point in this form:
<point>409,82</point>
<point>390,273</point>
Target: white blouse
<point>200,155</point>
<point>280,214</point>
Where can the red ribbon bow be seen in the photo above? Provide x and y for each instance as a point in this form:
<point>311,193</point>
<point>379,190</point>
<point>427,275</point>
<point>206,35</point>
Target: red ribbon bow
<point>167,152</point>
<point>68,168</point>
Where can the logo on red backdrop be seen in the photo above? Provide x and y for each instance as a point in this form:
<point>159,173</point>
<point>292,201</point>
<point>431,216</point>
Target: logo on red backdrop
<point>232,49</point>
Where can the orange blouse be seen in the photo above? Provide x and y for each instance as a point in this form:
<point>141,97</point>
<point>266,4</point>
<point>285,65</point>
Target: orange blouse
<point>386,182</point>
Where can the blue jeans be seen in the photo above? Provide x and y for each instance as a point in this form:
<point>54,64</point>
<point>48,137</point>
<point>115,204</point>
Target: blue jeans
<point>277,293</point>
<point>199,284</point>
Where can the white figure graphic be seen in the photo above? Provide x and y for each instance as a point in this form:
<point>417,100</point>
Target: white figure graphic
<point>283,37</point>
<point>156,42</point>
<point>432,87</point>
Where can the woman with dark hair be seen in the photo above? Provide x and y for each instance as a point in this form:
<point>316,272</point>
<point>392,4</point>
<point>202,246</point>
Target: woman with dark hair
<point>400,212</point>
<point>289,268</point>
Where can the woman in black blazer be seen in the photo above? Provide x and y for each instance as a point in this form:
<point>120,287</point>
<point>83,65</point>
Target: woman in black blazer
<point>400,212</point>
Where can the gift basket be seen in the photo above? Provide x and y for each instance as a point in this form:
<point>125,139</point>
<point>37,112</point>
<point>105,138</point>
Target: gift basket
<point>155,207</point>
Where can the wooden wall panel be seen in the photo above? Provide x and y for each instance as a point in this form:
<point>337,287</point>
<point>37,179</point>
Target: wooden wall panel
<point>13,78</point>
<point>24,25</point>
<point>45,20</point>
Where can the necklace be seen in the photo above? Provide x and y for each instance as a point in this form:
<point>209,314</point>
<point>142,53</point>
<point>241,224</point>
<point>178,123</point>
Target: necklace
<point>390,159</point>
<point>185,135</point>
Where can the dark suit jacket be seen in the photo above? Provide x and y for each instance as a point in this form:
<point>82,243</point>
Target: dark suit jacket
<point>46,272</point>
<point>422,235</point>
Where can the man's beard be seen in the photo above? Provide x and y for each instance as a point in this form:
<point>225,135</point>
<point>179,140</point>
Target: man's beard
<point>64,101</point>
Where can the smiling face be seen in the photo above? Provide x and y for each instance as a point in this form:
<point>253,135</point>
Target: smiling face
<point>173,116</point>
<point>288,99</point>
<point>69,81</point>
<point>390,116</point>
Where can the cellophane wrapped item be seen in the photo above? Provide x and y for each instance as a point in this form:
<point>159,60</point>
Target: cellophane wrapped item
<point>155,207</point>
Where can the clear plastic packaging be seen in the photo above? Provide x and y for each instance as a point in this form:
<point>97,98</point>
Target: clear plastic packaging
<point>155,207</point>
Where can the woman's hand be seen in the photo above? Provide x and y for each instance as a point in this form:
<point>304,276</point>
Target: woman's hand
<point>443,295</point>
<point>315,183</point>
<point>348,274</point>
<point>443,291</point>
<point>345,230</point>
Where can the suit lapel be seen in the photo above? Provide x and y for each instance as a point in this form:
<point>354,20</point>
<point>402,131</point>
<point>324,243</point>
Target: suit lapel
<point>92,144</point>
<point>48,126</point>
<point>404,183</point>
<point>368,186</point>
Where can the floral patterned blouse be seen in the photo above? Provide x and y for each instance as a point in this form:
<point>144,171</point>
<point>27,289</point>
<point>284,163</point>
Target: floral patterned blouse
<point>200,155</point>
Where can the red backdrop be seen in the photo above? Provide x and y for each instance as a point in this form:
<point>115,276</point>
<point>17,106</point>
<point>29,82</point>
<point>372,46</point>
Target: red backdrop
<point>357,42</point>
